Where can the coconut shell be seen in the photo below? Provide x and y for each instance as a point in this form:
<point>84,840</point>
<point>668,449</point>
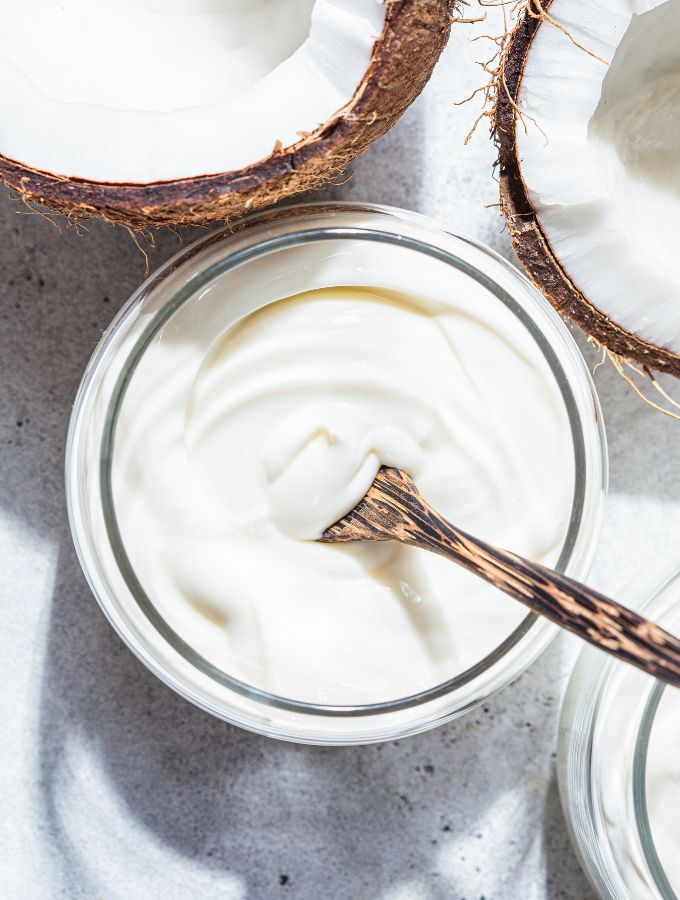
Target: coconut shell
<point>413,36</point>
<point>529,241</point>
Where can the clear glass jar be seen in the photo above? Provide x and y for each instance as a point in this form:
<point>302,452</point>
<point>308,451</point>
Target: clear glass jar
<point>189,276</point>
<point>609,715</point>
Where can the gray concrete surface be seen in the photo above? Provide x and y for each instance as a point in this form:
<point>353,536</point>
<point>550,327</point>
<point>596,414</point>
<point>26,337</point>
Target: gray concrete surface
<point>113,787</point>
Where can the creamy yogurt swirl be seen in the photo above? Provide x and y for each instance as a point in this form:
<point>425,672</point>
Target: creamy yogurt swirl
<point>235,450</point>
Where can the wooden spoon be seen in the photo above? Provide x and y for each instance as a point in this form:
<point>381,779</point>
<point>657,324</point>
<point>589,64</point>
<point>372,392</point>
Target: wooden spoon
<point>394,510</point>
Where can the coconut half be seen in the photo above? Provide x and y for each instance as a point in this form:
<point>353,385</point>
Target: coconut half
<point>590,167</point>
<point>177,111</point>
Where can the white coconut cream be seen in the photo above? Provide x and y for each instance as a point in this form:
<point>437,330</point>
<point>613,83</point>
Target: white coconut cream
<point>153,90</point>
<point>600,155</point>
<point>260,414</point>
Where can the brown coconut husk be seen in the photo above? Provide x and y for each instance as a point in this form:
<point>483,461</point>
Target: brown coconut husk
<point>414,34</point>
<point>529,241</point>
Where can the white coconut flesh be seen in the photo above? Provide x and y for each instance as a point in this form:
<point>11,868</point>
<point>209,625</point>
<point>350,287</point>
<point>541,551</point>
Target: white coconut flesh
<point>605,179</point>
<point>139,91</point>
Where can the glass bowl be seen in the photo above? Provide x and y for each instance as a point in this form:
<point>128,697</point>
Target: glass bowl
<point>608,717</point>
<point>187,278</point>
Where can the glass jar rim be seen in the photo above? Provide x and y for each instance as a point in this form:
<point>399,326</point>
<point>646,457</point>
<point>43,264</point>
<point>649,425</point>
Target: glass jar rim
<point>230,260</point>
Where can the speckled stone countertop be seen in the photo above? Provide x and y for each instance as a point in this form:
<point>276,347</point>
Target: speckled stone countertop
<point>111,786</point>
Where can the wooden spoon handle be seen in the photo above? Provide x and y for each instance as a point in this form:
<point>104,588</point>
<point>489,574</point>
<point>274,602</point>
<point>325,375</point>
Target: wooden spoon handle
<point>395,510</point>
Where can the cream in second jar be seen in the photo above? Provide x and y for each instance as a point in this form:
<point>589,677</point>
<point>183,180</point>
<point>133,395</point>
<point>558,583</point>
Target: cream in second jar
<point>260,414</point>
<point>663,785</point>
<point>622,800</point>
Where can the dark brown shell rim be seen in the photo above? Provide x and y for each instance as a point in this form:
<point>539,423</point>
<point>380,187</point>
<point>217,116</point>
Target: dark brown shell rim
<point>529,241</point>
<point>413,36</point>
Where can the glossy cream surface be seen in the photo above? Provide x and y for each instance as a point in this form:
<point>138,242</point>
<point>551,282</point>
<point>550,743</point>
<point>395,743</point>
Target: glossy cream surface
<point>260,414</point>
